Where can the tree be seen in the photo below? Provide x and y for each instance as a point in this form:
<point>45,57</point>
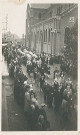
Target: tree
<point>71,47</point>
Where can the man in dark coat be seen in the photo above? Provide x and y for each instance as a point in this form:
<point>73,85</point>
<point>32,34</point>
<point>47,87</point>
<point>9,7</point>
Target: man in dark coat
<point>49,97</point>
<point>45,91</point>
<point>42,80</point>
<point>57,100</point>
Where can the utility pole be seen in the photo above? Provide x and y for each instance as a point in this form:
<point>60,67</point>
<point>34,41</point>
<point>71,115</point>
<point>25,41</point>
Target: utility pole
<point>5,23</point>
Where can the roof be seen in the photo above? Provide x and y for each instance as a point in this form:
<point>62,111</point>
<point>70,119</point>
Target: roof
<point>40,6</point>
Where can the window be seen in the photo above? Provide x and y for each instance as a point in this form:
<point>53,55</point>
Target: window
<point>46,35</point>
<point>67,35</point>
<point>40,39</point>
<point>40,36</point>
<point>61,9</point>
<point>32,36</point>
<point>49,35</point>
<point>37,40</point>
<point>57,10</point>
<point>50,14</point>
<point>69,6</point>
<point>39,16</point>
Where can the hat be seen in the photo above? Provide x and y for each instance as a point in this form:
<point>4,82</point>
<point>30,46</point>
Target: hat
<point>62,75</point>
<point>36,103</point>
<point>55,80</point>
<point>32,106</point>
<point>30,85</point>
<point>25,82</point>
<point>31,91</point>
<point>33,100</point>
<point>68,86</point>
<point>46,81</point>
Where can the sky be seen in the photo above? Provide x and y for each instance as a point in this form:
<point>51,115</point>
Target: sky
<point>16,17</point>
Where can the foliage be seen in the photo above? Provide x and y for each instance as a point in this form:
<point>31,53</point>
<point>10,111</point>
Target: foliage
<point>71,47</point>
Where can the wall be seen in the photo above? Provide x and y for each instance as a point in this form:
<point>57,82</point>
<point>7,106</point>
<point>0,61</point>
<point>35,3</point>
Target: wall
<point>41,27</point>
<point>50,24</point>
<point>35,15</point>
<point>65,21</point>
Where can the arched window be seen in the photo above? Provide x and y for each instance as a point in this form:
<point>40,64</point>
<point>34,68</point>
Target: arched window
<point>39,16</point>
<point>40,36</point>
<point>40,39</point>
<point>32,36</point>
<point>49,35</point>
<point>69,6</point>
<point>37,40</point>
<point>50,14</point>
<point>67,35</point>
<point>46,35</point>
<point>59,10</point>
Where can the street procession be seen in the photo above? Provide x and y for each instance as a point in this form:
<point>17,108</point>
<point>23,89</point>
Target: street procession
<point>59,94</point>
<point>39,66</point>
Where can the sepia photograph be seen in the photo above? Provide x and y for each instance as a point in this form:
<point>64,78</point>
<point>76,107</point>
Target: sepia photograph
<point>39,66</point>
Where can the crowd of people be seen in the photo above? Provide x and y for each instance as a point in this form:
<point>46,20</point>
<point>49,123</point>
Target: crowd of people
<point>59,94</point>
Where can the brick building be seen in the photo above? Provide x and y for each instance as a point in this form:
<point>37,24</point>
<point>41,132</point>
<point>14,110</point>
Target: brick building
<point>46,26</point>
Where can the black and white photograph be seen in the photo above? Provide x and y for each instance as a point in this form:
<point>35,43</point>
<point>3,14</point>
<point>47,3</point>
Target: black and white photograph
<point>39,66</point>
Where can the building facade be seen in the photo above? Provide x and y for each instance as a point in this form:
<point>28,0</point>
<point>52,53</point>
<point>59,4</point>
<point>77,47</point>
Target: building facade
<point>46,26</point>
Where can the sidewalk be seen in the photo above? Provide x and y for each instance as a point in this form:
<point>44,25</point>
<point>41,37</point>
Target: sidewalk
<point>4,68</point>
<point>13,118</point>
